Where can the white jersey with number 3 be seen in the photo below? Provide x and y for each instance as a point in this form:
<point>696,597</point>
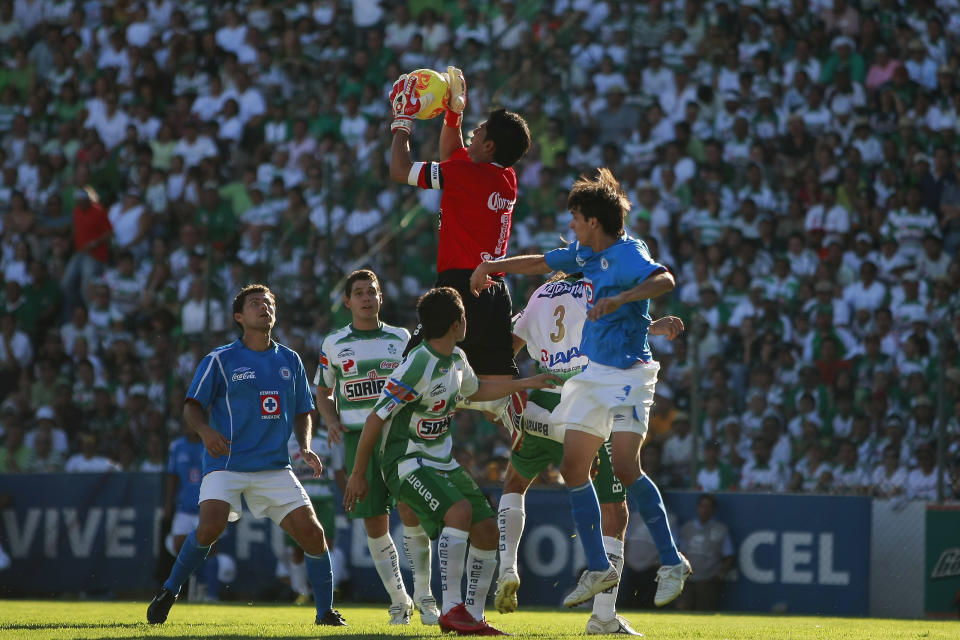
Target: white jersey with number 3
<point>551,324</point>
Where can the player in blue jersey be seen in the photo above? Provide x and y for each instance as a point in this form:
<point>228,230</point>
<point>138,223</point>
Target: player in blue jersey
<point>257,393</point>
<point>611,398</point>
<point>184,472</point>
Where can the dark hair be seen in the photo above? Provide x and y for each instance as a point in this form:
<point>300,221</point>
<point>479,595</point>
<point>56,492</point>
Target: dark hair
<point>601,198</point>
<point>241,298</point>
<point>510,136</point>
<point>709,497</point>
<point>359,274</point>
<point>438,309</point>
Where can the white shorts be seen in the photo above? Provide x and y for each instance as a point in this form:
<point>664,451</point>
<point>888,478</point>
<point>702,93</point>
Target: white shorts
<point>601,400</point>
<point>183,523</point>
<point>273,494</point>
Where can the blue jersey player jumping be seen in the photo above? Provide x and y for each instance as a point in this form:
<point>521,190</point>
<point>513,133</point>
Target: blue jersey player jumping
<point>257,393</point>
<point>613,394</point>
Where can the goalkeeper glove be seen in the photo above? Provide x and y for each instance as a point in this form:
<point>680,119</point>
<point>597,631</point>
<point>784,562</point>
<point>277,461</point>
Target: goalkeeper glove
<point>405,103</point>
<point>457,101</point>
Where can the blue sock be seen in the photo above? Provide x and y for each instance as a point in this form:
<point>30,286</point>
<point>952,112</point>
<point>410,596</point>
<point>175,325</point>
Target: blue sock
<point>585,509</point>
<point>647,500</point>
<point>190,557</point>
<point>320,575</point>
<point>211,577</point>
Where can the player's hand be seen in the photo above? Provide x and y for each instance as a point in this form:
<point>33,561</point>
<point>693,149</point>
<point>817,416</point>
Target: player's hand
<point>458,90</point>
<point>334,433</point>
<point>668,326</point>
<point>603,306</point>
<point>543,381</point>
<point>405,103</point>
<point>480,279</point>
<point>355,492</point>
<point>214,442</point>
<point>312,459</point>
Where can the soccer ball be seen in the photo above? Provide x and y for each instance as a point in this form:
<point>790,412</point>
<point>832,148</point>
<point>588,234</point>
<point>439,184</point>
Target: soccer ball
<point>434,90</point>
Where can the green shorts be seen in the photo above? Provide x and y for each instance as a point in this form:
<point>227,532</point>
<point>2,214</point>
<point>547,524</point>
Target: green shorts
<point>430,492</point>
<point>326,509</point>
<point>378,501</point>
<point>537,453</point>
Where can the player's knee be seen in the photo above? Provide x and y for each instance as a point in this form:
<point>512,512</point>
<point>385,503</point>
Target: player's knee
<point>208,532</point>
<point>575,473</point>
<point>459,515</point>
<point>377,526</point>
<point>485,535</point>
<point>626,467</point>
<point>513,482</point>
<point>312,539</point>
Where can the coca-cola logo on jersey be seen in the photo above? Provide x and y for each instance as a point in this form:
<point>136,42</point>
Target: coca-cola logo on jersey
<point>243,373</point>
<point>496,202</point>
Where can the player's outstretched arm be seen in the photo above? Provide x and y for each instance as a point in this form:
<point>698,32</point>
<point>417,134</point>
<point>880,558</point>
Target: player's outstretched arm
<point>656,285</point>
<point>357,483</point>
<point>526,265</point>
<point>451,136</point>
<point>495,389</point>
<point>404,104</point>
<point>669,326</point>
<point>327,409</point>
<point>213,441</point>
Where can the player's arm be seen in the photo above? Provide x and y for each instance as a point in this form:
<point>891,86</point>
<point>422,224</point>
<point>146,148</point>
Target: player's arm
<point>451,135</point>
<point>654,285</point>
<point>525,265</point>
<point>303,430</point>
<point>213,441</point>
<point>669,326</point>
<point>495,389</point>
<point>404,104</point>
<point>400,160</point>
<point>357,483</point>
<point>518,344</point>
<point>327,409</point>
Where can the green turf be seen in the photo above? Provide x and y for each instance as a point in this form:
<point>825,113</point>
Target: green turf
<point>89,620</point>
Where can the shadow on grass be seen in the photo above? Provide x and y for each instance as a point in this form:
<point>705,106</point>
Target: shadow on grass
<point>37,626</point>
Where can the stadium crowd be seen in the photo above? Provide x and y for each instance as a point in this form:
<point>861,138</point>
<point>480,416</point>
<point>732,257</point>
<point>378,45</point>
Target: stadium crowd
<point>795,162</point>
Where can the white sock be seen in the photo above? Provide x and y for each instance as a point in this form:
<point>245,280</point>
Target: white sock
<point>298,578</point>
<point>510,519</point>
<point>387,562</point>
<point>451,550</point>
<point>481,563</point>
<point>605,602</point>
<point>416,544</point>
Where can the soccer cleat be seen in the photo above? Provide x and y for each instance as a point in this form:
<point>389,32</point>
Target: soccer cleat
<point>505,599</point>
<point>670,581</point>
<point>160,606</point>
<point>512,418</point>
<point>460,621</point>
<point>429,614</point>
<point>400,613</point>
<point>615,625</point>
<point>486,630</point>
<point>590,584</point>
<point>302,599</point>
<point>332,618</point>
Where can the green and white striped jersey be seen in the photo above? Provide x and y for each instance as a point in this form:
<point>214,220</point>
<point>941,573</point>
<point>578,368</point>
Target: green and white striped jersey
<point>331,457</point>
<point>551,324</point>
<point>418,404</point>
<point>356,364</point>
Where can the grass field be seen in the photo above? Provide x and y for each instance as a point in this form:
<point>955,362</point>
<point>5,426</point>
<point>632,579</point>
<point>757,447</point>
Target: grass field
<point>62,620</point>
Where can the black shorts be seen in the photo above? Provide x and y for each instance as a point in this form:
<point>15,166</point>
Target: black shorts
<point>489,341</point>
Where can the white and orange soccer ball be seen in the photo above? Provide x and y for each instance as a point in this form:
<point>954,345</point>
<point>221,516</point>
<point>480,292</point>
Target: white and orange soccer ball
<point>434,90</point>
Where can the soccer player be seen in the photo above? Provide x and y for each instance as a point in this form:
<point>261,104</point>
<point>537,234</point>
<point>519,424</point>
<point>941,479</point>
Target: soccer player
<point>257,393</point>
<point>355,363</point>
<point>612,397</point>
<point>479,189</point>
<point>184,473</point>
<point>417,406</point>
<point>550,326</point>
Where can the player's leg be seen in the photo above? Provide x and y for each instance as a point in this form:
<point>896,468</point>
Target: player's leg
<point>386,560</point>
<point>298,572</point>
<point>416,544</point>
<point>304,527</point>
<point>213,518</point>
<point>647,500</point>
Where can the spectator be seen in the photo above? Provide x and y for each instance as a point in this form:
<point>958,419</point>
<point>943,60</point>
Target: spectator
<point>707,545</point>
<point>889,478</point>
<point>91,234</point>
<point>14,455</point>
<point>714,474</point>
<point>88,461</point>
<point>678,452</point>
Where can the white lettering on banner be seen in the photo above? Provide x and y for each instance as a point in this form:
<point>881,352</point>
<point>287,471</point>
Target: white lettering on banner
<point>827,574</point>
<point>120,532</point>
<point>21,539</point>
<point>248,533</point>
<point>796,559</point>
<point>748,547</point>
<point>81,535</point>
<point>791,557</point>
<point>51,532</point>
<point>553,561</point>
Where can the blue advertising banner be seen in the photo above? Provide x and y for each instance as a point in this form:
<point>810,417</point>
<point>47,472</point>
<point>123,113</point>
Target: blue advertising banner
<point>802,554</point>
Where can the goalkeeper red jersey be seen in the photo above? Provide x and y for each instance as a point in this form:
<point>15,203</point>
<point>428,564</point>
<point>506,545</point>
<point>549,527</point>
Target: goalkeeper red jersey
<point>476,208</point>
